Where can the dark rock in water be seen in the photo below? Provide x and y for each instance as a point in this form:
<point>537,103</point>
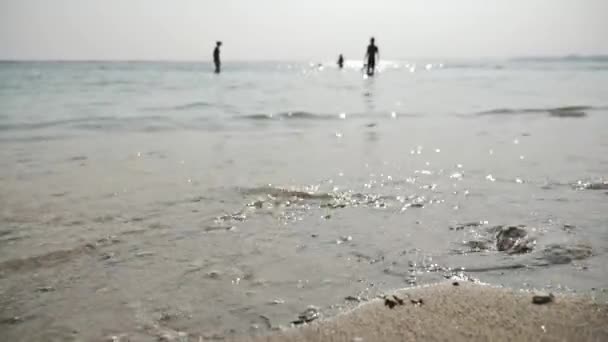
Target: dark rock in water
<point>467,225</point>
<point>11,320</point>
<point>508,239</point>
<point>542,298</point>
<point>214,275</point>
<point>308,315</point>
<point>514,240</point>
<point>334,205</point>
<point>568,228</point>
<point>352,298</point>
<point>557,254</point>
<point>45,289</point>
<point>477,246</point>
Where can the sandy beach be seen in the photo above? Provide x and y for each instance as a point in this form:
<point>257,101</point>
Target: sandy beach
<point>463,312</point>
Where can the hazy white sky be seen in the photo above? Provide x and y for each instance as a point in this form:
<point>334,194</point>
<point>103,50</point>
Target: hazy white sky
<point>299,29</point>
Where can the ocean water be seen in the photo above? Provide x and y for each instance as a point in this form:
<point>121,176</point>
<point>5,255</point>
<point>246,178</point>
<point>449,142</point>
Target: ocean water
<point>139,198</point>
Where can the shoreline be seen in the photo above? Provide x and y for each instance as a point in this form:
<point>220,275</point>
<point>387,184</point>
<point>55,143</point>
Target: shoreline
<point>462,312</point>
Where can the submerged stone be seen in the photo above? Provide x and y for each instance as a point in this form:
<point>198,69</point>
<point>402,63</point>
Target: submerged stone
<point>558,254</point>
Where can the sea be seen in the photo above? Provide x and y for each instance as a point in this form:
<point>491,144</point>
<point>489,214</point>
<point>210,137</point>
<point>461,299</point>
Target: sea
<point>140,200</point>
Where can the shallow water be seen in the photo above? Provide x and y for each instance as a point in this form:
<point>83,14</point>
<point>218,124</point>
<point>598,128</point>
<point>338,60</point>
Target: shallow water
<point>140,198</point>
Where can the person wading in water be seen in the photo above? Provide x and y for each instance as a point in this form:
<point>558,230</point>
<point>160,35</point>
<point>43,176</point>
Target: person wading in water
<point>216,57</point>
<point>372,56</point>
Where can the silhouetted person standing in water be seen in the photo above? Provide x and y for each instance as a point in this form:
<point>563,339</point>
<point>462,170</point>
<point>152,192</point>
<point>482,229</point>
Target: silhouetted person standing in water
<point>341,61</point>
<point>216,57</point>
<point>372,55</point>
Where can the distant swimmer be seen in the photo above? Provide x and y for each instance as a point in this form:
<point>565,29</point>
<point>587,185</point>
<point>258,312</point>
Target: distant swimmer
<point>372,56</point>
<point>216,57</point>
<point>341,61</point>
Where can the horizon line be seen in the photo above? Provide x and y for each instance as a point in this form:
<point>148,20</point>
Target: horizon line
<point>297,60</point>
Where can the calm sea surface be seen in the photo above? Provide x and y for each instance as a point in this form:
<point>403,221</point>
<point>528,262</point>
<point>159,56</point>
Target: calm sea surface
<point>146,198</point>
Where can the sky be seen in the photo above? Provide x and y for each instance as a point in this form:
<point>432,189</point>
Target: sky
<point>299,29</point>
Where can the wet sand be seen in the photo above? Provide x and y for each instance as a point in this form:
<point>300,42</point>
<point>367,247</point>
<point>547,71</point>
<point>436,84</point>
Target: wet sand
<point>467,312</point>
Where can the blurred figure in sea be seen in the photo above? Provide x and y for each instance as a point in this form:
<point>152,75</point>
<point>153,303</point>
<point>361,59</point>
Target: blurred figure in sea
<point>372,56</point>
<point>216,57</point>
<point>341,61</point>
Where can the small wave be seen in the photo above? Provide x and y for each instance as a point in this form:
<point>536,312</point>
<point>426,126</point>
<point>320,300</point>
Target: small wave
<point>53,258</point>
<point>29,126</point>
<point>568,58</point>
<point>34,139</point>
<point>511,111</point>
<point>257,117</point>
<point>567,113</point>
<point>563,112</point>
<point>193,105</point>
<point>332,200</point>
<point>302,115</point>
<point>181,107</point>
<point>279,192</point>
<point>105,83</point>
<point>296,115</point>
<point>93,123</point>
